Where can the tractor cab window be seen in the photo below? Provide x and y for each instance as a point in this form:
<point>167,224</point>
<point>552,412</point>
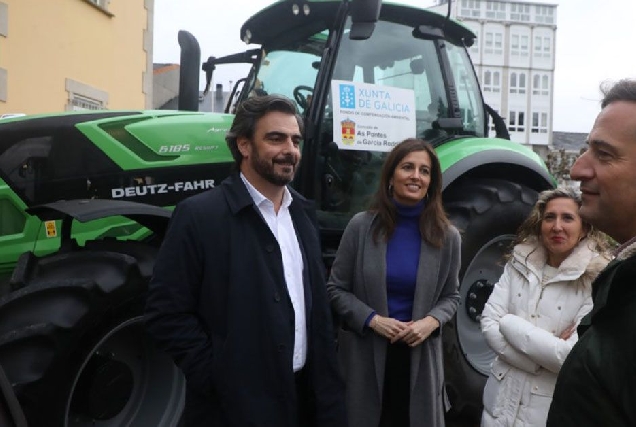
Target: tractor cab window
<point>290,69</point>
<point>391,58</point>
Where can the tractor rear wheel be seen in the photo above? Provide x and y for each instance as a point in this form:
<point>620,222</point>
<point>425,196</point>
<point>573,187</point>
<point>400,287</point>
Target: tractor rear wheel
<point>73,345</point>
<point>488,213</point>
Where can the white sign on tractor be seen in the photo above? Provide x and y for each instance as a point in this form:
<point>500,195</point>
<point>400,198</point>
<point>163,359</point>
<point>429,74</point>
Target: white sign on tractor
<point>371,117</point>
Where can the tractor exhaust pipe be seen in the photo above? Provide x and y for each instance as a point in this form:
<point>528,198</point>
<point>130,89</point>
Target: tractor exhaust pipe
<point>189,72</point>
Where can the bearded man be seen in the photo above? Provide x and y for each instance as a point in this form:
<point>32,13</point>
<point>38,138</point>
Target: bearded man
<point>238,296</point>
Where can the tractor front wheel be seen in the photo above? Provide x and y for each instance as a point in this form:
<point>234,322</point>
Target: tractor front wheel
<point>72,341</point>
<point>488,213</point>
<point>122,380</point>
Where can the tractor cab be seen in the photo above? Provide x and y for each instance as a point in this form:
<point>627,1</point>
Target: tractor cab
<point>406,74</point>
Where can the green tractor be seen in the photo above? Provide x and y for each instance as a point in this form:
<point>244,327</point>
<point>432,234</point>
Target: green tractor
<point>85,198</point>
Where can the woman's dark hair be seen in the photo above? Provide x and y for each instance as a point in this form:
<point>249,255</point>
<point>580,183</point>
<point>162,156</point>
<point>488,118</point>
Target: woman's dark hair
<point>249,112</point>
<point>433,220</point>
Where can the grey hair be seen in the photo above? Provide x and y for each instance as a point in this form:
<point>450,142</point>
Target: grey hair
<point>623,90</point>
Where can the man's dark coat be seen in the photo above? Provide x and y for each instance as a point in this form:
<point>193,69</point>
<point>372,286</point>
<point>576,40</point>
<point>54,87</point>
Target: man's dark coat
<point>596,386</point>
<point>218,304</point>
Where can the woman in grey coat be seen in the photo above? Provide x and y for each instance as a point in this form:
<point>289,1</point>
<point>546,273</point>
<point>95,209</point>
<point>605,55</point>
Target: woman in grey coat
<point>393,285</point>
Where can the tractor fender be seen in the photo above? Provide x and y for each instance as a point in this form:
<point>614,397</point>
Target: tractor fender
<point>154,218</point>
<point>85,210</point>
<point>497,163</point>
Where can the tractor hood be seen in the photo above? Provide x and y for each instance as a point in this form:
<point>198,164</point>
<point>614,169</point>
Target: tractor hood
<point>160,139</point>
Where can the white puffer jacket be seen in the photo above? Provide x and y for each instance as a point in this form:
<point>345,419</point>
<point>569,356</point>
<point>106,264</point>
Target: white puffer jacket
<point>522,321</point>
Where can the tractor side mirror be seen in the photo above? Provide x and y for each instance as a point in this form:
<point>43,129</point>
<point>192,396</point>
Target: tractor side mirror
<point>364,15</point>
<point>427,32</point>
<point>417,66</point>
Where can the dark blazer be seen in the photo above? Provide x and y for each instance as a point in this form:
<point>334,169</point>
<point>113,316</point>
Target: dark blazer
<point>218,304</point>
<point>596,386</point>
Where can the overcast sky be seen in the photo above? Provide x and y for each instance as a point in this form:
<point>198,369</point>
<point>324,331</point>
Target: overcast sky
<point>594,43</point>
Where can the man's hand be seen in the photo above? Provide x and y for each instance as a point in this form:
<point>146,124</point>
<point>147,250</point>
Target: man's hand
<point>386,326</point>
<point>416,332</point>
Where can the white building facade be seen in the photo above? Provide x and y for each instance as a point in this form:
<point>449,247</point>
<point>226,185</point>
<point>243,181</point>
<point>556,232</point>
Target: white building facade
<point>514,57</point>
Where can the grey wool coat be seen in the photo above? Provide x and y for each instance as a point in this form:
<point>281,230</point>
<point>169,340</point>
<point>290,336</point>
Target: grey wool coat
<point>356,288</point>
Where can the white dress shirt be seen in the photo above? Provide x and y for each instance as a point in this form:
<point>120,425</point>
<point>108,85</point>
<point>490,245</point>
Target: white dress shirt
<point>283,229</point>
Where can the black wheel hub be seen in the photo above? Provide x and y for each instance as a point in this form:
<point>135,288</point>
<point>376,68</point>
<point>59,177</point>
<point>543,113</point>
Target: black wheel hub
<point>103,389</point>
<point>477,297</point>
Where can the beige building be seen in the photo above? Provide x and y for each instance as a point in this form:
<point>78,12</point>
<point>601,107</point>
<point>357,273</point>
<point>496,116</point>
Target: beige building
<point>75,54</point>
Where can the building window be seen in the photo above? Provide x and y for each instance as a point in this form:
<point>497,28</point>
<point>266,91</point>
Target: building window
<point>519,45</point>
<point>514,45</point>
<point>516,122</point>
<point>492,81</point>
<point>539,122</point>
<point>541,84</point>
<point>100,3</point>
<point>520,12</point>
<point>496,10</point>
<point>524,46</point>
<point>84,97</point>
<point>498,43</point>
<point>518,83</point>
<point>470,8</point>
<point>4,19</point>
<point>538,46</point>
<point>544,14</point>
<point>79,102</point>
<point>493,43</point>
<point>488,43</point>
<point>542,46</point>
<point>547,47</point>
<point>474,50</point>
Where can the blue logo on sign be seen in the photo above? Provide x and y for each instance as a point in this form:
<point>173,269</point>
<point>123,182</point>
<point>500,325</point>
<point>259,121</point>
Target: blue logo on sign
<point>347,96</point>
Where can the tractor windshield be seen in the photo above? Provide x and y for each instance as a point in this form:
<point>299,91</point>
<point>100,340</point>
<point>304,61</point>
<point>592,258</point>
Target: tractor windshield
<point>385,89</point>
<point>393,58</point>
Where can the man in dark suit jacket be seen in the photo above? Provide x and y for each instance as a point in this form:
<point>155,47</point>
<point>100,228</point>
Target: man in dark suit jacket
<point>596,386</point>
<point>238,294</point>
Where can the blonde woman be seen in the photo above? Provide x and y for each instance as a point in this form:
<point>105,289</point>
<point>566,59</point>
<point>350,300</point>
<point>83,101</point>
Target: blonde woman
<point>531,316</point>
